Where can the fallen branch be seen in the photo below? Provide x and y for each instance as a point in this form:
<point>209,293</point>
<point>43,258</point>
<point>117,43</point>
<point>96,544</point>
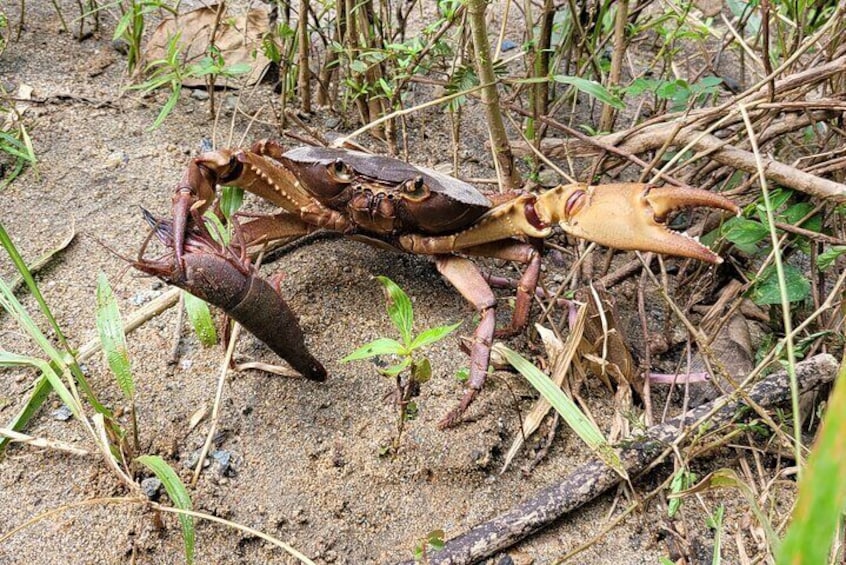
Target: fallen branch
<point>594,478</point>
<point>655,136</point>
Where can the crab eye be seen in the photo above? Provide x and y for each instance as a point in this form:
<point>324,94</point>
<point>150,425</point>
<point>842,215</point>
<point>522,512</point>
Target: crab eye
<point>340,171</point>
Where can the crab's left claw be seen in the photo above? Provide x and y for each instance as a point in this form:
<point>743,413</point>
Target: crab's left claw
<point>632,216</point>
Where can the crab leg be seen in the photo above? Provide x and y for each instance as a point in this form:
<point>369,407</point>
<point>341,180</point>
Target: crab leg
<point>528,254</point>
<point>468,280</point>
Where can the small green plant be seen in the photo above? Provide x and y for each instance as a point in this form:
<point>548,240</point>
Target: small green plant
<point>15,144</point>
<point>412,368</point>
<point>751,234</point>
<point>434,541</point>
<point>130,26</point>
<point>172,71</point>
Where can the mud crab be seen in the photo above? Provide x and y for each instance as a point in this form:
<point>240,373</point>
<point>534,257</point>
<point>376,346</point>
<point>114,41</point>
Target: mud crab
<point>392,204</point>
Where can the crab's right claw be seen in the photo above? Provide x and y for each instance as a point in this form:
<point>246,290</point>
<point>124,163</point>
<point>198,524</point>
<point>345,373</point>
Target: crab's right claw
<point>194,193</point>
<point>633,217</point>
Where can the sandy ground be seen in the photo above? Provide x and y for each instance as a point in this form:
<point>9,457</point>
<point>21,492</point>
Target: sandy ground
<point>306,465</point>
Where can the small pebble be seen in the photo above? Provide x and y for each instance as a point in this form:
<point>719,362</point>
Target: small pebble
<point>116,159</point>
<point>508,45</point>
<point>222,460</point>
<point>144,296</point>
<point>332,122</point>
<point>199,94</point>
<point>63,413</point>
<point>548,178</point>
<point>150,487</point>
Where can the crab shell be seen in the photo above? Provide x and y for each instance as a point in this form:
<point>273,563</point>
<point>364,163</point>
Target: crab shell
<point>384,195</point>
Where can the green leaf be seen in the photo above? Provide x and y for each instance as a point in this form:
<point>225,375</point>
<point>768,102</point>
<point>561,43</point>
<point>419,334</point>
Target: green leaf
<point>395,370</point>
<point>381,346</point>
<point>829,256</point>
<point>8,359</point>
<point>432,335</point>
<point>216,228</point>
<point>822,488</point>
<point>766,290</point>
<point>421,371</point>
<point>744,232</point>
<point>201,319</point>
<point>591,88</point>
<point>40,391</point>
<point>110,328</point>
<point>231,198</point>
<point>399,308</point>
<point>681,481</point>
<point>178,495</point>
<point>571,414</point>
<point>169,105</point>
<point>357,66</point>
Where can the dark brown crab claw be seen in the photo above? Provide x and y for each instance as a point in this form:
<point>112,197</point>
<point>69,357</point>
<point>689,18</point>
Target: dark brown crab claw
<point>633,216</point>
<point>217,276</point>
<point>196,192</point>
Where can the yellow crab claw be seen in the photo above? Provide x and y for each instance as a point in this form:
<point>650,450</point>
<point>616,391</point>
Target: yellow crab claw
<point>630,216</point>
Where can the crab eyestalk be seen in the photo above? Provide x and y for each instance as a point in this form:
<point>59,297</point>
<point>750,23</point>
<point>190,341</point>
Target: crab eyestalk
<point>629,216</point>
<point>218,277</point>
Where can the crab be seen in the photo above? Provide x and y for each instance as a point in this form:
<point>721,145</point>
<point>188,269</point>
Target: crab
<point>392,204</point>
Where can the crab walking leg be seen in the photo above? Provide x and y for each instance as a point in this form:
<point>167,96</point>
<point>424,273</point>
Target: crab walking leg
<point>528,254</point>
<point>267,229</point>
<point>468,280</point>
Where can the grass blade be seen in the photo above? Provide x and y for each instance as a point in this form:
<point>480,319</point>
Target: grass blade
<point>110,327</point>
<point>178,495</point>
<point>822,488</point>
<point>201,319</point>
<point>571,414</point>
<point>8,359</point>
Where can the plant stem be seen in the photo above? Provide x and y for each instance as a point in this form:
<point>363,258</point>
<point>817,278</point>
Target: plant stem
<point>508,175</point>
<point>304,75</point>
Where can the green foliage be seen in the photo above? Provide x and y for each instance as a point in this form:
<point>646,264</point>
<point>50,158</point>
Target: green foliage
<point>715,522</point>
<point>822,488</point>
<point>402,315</point>
<point>4,32</point>
<point>766,290</point>
<point>178,495</point>
<point>682,480</point>
<point>172,71</point>
<point>434,541</point>
<point>751,234</point>
<point>575,418</point>
<point>678,92</point>
<point>130,26</point>
<point>410,362</point>
<point>110,327</point>
<point>591,88</point>
<point>201,319</point>
<point>14,140</point>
